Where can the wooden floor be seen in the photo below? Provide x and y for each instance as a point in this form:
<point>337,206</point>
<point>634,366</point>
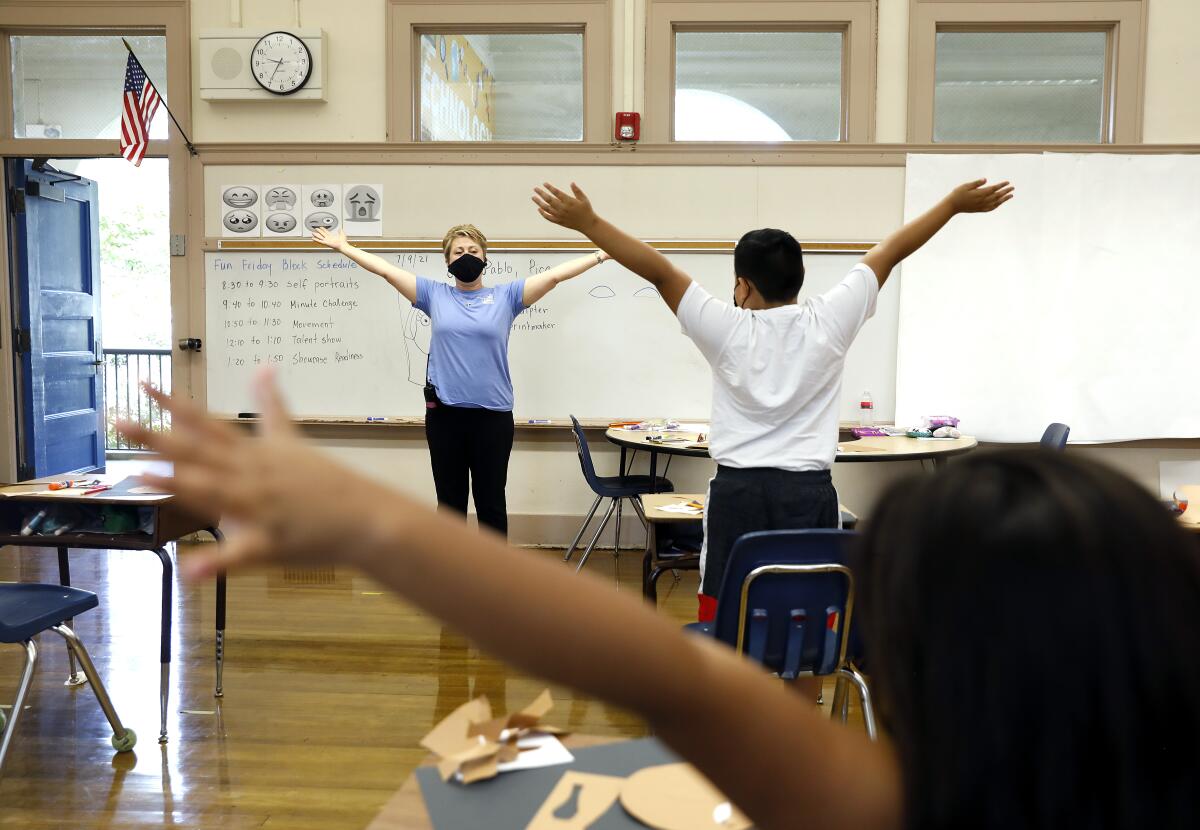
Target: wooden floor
<point>329,684</point>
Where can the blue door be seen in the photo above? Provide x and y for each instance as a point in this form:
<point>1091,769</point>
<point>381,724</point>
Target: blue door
<point>54,250</point>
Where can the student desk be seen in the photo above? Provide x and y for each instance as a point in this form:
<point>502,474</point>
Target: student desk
<point>652,566</point>
<point>406,809</point>
<point>884,448</point>
<point>170,523</point>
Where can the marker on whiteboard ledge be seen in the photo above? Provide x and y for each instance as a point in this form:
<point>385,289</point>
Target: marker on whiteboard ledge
<point>375,419</point>
<point>248,415</point>
<point>538,421</point>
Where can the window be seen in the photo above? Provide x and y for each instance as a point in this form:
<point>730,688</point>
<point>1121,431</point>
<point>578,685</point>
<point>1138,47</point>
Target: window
<point>993,71</point>
<point>1020,86</point>
<point>529,71</point>
<point>501,87</point>
<point>760,70</point>
<point>68,86</point>
<point>758,86</point>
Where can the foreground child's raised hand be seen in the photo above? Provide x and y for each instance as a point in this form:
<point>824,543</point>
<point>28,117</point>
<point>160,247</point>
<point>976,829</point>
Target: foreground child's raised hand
<point>571,210</point>
<point>282,499</point>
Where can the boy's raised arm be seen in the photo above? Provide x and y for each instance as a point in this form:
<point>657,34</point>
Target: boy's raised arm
<point>973,197</point>
<point>573,210</point>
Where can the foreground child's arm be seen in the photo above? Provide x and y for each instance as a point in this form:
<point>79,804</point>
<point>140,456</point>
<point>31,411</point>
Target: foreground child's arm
<point>972,197</point>
<point>540,285</point>
<point>573,210</point>
<point>768,749</point>
<point>403,281</point>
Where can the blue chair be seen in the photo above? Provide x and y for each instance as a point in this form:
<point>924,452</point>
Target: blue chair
<point>619,489</point>
<point>787,601</point>
<point>1055,437</point>
<point>28,609</point>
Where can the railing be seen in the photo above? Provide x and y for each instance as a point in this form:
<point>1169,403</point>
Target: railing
<point>124,370</point>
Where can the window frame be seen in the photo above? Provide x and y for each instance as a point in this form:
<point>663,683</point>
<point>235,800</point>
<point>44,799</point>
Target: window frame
<point>1124,21</point>
<point>407,20</point>
<point>856,19</point>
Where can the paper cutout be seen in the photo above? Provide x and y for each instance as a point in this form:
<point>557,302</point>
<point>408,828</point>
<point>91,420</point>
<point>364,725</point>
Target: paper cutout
<point>577,800</point>
<point>678,797</point>
<point>472,744</point>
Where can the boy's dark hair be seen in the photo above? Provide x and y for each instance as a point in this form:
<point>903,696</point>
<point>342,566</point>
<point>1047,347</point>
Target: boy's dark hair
<point>1032,626</point>
<point>772,260</point>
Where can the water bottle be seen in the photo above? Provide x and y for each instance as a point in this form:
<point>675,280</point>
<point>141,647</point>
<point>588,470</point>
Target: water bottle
<point>866,410</point>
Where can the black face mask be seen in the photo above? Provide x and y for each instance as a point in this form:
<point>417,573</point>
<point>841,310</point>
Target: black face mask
<point>467,268</point>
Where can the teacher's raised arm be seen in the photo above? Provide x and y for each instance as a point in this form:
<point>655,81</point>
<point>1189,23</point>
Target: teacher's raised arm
<point>403,281</point>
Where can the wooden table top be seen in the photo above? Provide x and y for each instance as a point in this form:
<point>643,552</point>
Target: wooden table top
<point>35,489</point>
<point>652,506</point>
<point>882,448</point>
<point>406,809</point>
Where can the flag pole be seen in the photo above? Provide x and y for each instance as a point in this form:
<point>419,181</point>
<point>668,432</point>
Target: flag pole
<point>186,140</point>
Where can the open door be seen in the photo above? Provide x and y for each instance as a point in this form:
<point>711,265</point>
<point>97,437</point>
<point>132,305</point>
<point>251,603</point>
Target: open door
<point>54,251</point>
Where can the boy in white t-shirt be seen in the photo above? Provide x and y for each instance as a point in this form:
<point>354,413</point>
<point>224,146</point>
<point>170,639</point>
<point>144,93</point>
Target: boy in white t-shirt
<point>776,363</point>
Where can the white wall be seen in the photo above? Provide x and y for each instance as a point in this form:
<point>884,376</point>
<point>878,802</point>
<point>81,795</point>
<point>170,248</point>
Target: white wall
<point>844,203</point>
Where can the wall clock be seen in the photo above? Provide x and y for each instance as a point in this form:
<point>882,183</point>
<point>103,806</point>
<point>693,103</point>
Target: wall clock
<point>281,63</point>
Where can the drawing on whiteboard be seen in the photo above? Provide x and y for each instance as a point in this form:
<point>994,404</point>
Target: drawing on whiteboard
<point>602,292</point>
<point>418,331</point>
<point>648,291</point>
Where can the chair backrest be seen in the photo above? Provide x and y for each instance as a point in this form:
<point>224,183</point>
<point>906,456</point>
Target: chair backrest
<point>787,600</point>
<point>585,455</point>
<point>1055,436</point>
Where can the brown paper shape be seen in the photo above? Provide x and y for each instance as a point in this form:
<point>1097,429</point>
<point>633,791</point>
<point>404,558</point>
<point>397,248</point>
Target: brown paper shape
<point>595,795</point>
<point>452,734</point>
<point>678,797</point>
<point>468,741</point>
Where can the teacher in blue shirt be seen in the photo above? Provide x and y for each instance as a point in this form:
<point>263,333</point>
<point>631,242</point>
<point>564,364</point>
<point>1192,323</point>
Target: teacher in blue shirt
<point>468,393</point>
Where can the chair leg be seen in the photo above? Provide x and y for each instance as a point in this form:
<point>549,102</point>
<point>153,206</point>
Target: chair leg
<point>123,739</point>
<point>31,655</point>
<point>592,544</point>
<point>839,708</point>
<point>617,537</point>
<point>864,696</point>
<point>636,501</point>
<point>582,528</point>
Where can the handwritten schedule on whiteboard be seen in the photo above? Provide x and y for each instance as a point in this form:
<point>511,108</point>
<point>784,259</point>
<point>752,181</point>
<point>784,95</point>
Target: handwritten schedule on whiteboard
<point>345,344</point>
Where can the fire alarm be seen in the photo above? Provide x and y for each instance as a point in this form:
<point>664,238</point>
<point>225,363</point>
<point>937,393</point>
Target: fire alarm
<point>629,126</point>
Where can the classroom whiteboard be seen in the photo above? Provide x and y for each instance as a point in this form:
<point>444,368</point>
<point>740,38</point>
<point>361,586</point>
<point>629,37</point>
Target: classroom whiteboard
<point>603,345</point>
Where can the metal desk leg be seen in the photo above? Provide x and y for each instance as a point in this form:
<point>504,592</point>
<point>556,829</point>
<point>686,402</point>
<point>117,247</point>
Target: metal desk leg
<point>74,676</point>
<point>164,649</point>
<point>653,471</point>
<point>219,691</point>
<point>622,467</point>
<point>649,588</point>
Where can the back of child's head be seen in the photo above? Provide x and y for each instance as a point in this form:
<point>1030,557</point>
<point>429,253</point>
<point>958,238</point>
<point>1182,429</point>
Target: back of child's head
<point>771,259</point>
<point>1032,623</point>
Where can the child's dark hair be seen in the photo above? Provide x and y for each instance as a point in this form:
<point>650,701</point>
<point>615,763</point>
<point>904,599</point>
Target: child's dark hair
<point>1032,627</point>
<point>772,260</point>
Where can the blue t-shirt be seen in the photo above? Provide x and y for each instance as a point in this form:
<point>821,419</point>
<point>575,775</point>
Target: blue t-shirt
<point>468,350</point>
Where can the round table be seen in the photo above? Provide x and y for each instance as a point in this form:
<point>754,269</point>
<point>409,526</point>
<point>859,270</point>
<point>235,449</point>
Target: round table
<point>882,448</point>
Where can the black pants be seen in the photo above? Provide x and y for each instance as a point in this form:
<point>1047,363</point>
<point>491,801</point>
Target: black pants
<point>761,498</point>
<point>467,444</point>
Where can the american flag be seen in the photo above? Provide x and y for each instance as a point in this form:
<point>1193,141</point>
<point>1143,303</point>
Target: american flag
<point>139,104</point>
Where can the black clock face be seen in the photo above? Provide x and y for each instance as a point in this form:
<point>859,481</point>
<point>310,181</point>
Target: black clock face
<point>281,63</point>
